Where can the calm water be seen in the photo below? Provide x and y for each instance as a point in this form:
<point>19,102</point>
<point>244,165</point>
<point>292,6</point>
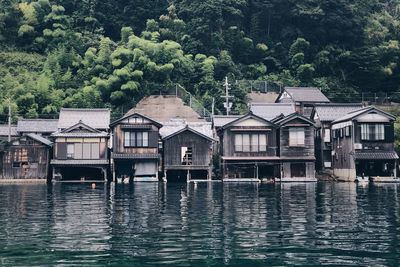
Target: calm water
<point>152,224</point>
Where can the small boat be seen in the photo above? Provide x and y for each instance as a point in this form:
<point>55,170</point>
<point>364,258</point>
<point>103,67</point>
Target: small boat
<point>362,180</point>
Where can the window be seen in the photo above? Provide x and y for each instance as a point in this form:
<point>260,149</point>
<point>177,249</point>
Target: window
<point>136,139</point>
<point>250,142</point>
<point>84,151</point>
<point>347,131</point>
<point>187,155</point>
<point>372,131</point>
<point>327,135</point>
<point>296,136</point>
<point>70,151</point>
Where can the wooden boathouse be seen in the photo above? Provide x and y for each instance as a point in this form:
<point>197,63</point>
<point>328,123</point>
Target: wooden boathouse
<point>249,149</point>
<point>296,148</point>
<point>26,157</point>
<point>135,150</point>
<point>363,146</point>
<point>81,145</point>
<point>187,152</point>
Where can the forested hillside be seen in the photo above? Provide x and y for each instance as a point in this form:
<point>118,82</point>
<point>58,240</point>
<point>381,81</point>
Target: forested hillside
<point>96,53</point>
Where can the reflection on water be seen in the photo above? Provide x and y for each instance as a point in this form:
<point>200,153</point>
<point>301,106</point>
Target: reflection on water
<point>208,224</point>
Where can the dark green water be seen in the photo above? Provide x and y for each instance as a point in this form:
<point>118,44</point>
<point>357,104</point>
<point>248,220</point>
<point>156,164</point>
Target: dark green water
<point>150,224</point>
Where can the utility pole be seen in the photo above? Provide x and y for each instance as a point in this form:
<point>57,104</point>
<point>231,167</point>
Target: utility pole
<point>213,106</point>
<point>9,121</point>
<point>227,104</point>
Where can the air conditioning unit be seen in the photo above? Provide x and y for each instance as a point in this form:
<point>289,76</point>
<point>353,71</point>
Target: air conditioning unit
<point>357,146</point>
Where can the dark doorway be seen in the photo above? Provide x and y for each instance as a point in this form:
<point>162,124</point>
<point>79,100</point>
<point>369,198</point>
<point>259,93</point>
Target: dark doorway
<point>176,176</point>
<point>298,170</point>
<point>267,171</point>
<point>81,173</point>
<point>375,168</point>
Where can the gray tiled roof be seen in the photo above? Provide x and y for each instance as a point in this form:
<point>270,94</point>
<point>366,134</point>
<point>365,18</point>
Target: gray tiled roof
<point>221,120</point>
<point>360,111</point>
<point>306,94</point>
<point>79,162</point>
<point>37,125</point>
<point>269,111</point>
<point>80,134</point>
<point>4,130</point>
<point>40,139</point>
<point>95,118</point>
<point>176,125</point>
<point>376,155</point>
<point>333,111</point>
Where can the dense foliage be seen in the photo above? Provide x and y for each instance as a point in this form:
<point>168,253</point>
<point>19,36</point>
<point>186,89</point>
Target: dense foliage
<point>95,53</point>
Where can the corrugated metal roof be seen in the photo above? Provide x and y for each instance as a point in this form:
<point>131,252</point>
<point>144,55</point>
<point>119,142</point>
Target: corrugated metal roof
<point>177,125</point>
<point>40,139</point>
<point>221,120</point>
<point>269,111</point>
<point>95,118</point>
<point>333,111</point>
<point>306,94</point>
<point>376,155</point>
<point>4,130</point>
<point>134,156</point>
<point>37,125</point>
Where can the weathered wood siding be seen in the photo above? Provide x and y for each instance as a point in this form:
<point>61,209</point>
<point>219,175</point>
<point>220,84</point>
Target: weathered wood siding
<point>297,151</point>
<point>201,154</point>
<point>343,149</point>
<point>228,141</point>
<point>118,141</point>
<point>33,161</point>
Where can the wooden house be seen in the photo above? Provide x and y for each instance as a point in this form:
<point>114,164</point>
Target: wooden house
<point>81,145</point>
<point>249,149</point>
<point>135,150</point>
<point>26,157</point>
<point>323,116</point>
<point>304,98</point>
<point>363,146</point>
<point>296,148</point>
<point>187,151</point>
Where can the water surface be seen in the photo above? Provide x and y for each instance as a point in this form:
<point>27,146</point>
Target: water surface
<point>151,224</point>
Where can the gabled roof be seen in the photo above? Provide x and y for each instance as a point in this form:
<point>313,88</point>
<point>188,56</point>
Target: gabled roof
<point>305,94</point>
<point>98,118</point>
<point>40,139</point>
<point>354,114</point>
<point>333,111</point>
<point>129,114</point>
<point>37,125</point>
<point>221,120</point>
<point>259,97</point>
<point>80,130</point>
<point>4,130</point>
<point>286,119</point>
<point>187,128</point>
<point>245,117</point>
<point>269,111</point>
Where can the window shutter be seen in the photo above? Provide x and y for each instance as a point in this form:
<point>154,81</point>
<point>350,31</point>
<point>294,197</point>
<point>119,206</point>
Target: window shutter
<point>389,133</point>
<point>61,150</point>
<point>153,139</point>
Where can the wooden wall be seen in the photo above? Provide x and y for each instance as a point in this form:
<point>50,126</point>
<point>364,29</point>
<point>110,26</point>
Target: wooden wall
<point>118,141</point>
<point>228,141</point>
<point>301,151</point>
<point>34,162</point>
<point>201,149</point>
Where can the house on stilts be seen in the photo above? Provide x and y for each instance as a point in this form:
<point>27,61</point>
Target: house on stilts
<point>135,151</point>
<point>363,146</point>
<point>81,145</point>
